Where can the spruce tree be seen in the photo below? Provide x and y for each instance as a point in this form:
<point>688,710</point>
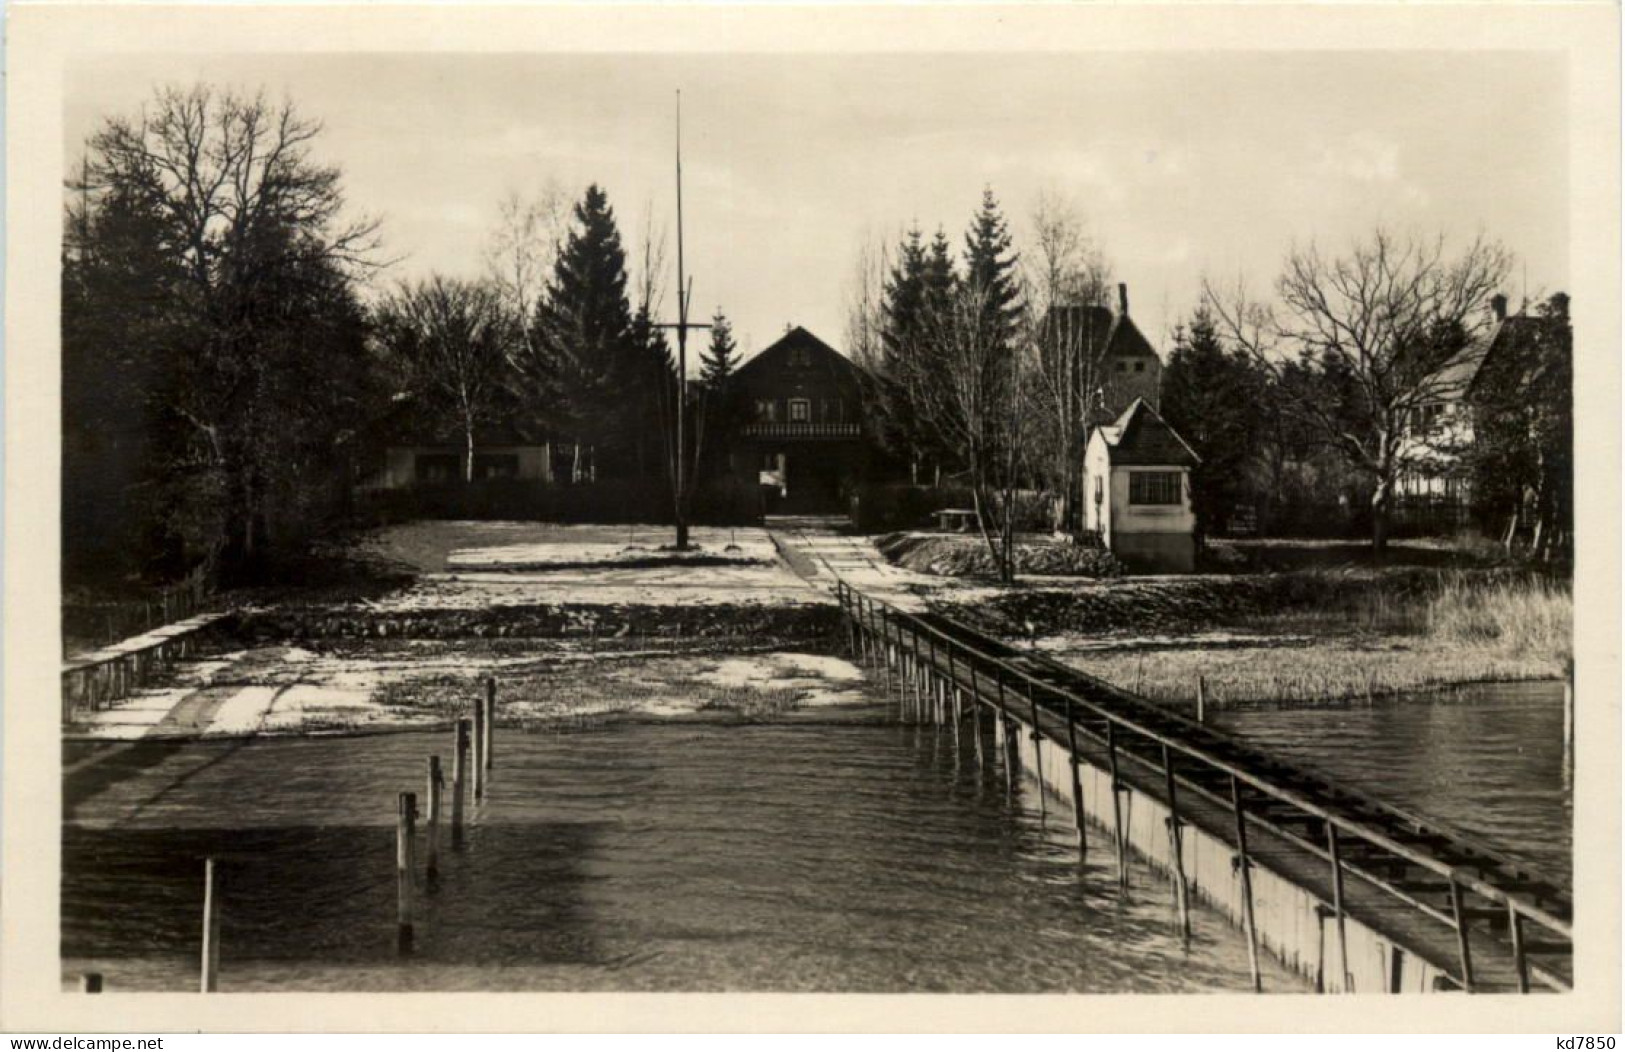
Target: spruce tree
<point>583,333</point>
<point>990,267</point>
<point>720,359</point>
<point>1211,395</point>
<point>902,321</point>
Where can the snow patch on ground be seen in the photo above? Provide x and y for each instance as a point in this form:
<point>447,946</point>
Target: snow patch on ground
<point>816,679</point>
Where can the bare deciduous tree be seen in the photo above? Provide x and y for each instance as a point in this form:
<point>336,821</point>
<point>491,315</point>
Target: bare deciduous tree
<point>1373,328</point>
<point>1066,274</point>
<point>252,227</point>
<point>976,405</point>
<point>452,340</point>
<point>520,247</point>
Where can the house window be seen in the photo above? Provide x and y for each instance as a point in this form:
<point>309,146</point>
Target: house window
<point>800,411</point>
<point>438,467</point>
<point>1122,367</point>
<point>1426,419</point>
<point>496,465</point>
<point>1139,367</point>
<point>767,410</point>
<point>798,356</point>
<point>1154,487</point>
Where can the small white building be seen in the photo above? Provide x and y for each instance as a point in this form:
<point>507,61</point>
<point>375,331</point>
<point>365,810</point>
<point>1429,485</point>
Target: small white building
<point>1137,492</point>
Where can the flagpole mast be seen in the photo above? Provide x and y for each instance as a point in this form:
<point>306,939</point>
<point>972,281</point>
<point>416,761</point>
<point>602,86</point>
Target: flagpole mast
<point>680,482</point>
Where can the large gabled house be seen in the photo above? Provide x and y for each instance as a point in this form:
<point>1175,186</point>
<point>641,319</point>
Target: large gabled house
<point>800,434</point>
<point>1435,490</point>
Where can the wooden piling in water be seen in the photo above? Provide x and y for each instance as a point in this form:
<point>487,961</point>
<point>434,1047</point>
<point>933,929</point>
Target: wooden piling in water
<point>477,769</point>
<point>1119,834</point>
<point>490,720</point>
<point>1245,867</point>
<point>1463,945</point>
<point>1519,961</point>
<point>1568,721</point>
<point>459,780</point>
<point>431,867</point>
<point>1078,819</point>
<point>1336,854</point>
<point>1176,849</point>
<point>90,983</point>
<point>1201,699</point>
<point>209,980</point>
<point>405,833</point>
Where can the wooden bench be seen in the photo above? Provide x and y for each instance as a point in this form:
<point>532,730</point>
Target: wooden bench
<point>957,519</point>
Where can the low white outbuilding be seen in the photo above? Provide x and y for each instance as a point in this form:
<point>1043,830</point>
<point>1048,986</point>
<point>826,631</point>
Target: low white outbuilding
<point>1137,491</point>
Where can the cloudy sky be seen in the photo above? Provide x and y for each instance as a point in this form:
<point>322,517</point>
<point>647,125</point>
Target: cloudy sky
<point>1182,164</point>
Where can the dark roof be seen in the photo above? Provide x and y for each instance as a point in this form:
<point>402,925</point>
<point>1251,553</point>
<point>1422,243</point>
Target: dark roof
<point>1455,379</point>
<point>1110,335</point>
<point>1142,437</point>
<point>822,353</point>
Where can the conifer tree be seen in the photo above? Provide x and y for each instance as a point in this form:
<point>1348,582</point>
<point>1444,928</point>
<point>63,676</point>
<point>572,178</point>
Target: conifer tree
<point>990,266</point>
<point>720,359</point>
<point>583,334</point>
<point>1211,395</point>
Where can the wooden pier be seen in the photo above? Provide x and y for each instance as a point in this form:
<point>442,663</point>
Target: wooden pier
<point>1349,891</point>
<point>97,679</point>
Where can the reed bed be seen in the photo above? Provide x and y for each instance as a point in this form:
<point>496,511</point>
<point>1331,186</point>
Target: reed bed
<point>1462,628</point>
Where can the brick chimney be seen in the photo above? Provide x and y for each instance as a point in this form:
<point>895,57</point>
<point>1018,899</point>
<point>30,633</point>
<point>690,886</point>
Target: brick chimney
<point>1122,298</point>
<point>1498,304</point>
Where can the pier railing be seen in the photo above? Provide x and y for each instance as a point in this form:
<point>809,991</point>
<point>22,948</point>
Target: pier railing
<point>1351,833</point>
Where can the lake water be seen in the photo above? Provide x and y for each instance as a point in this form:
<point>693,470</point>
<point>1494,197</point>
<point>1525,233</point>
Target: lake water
<point>1486,759</point>
<point>845,854</point>
<point>836,853</point>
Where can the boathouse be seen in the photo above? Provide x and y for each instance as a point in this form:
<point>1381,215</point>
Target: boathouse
<point>801,439</point>
<point>1137,494</point>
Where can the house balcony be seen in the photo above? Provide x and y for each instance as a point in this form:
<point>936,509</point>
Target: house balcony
<point>799,430</point>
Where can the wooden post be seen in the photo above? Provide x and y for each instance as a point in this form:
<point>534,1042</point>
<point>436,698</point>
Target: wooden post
<point>490,719</point>
<point>90,983</point>
<point>1038,754</point>
<point>459,780</point>
<point>1568,722</point>
<point>1201,699</point>
<point>918,678</point>
<point>1462,944</point>
<point>431,870</point>
<point>1176,848</point>
<point>885,650</point>
<point>478,770</point>
<point>1011,745</point>
<point>1245,865</point>
<point>405,833</point>
<point>1079,819</point>
<point>1519,961</point>
<point>844,592</point>
<point>1118,789</point>
<point>210,979</point>
<point>1337,906</point>
<point>976,715</point>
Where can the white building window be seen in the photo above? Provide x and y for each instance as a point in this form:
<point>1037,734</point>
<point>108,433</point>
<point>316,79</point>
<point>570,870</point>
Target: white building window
<point>1154,487</point>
